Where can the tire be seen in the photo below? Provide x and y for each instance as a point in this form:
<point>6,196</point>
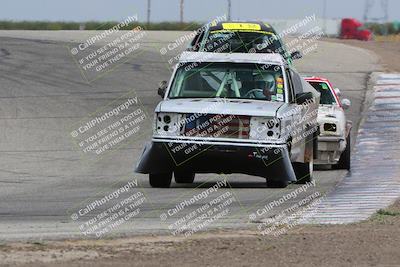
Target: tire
<point>315,144</point>
<point>304,172</point>
<point>184,177</point>
<point>160,180</point>
<point>276,184</point>
<point>345,159</point>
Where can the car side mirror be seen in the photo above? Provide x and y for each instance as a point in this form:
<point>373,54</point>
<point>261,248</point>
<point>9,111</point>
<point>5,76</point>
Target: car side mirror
<point>162,88</point>
<point>302,98</point>
<point>337,92</point>
<point>346,103</point>
<point>296,55</point>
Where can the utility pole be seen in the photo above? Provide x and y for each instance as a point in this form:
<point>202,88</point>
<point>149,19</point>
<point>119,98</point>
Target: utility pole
<point>369,7</point>
<point>324,15</point>
<point>385,7</point>
<point>229,9</point>
<point>181,11</point>
<point>148,11</point>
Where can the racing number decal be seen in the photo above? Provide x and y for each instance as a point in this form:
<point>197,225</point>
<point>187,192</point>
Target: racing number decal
<point>241,26</point>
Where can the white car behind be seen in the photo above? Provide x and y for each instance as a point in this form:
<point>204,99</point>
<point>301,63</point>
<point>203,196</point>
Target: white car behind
<point>334,145</point>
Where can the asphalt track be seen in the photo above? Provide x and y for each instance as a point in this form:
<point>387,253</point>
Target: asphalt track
<point>43,178</point>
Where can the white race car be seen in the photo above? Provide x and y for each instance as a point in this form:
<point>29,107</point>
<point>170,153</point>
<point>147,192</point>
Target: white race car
<point>233,113</point>
<point>334,146</point>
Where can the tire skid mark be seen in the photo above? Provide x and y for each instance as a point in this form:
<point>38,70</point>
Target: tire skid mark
<point>4,52</point>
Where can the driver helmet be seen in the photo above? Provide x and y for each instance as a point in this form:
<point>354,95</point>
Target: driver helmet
<point>265,80</point>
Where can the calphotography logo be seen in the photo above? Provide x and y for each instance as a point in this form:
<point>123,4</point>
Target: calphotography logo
<point>200,209</point>
<point>185,40</point>
<point>99,217</point>
<point>115,125</point>
<point>104,51</point>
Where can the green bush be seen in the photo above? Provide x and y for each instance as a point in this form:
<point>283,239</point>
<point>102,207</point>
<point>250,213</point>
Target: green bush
<point>94,25</point>
<point>383,28</point>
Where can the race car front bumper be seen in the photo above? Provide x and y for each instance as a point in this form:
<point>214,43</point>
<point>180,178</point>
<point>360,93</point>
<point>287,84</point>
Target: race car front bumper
<point>329,149</point>
<point>198,156</point>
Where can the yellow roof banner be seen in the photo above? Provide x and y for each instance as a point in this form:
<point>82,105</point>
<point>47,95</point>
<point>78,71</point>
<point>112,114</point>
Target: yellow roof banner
<point>241,26</point>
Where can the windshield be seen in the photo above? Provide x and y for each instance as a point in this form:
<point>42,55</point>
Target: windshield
<point>229,80</point>
<point>327,97</point>
<point>242,42</point>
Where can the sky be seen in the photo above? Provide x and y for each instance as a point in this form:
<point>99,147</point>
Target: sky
<point>195,10</point>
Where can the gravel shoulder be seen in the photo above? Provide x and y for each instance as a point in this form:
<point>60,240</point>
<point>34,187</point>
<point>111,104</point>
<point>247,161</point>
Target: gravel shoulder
<point>370,243</point>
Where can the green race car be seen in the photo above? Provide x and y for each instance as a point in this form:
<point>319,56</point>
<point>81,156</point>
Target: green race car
<point>240,37</point>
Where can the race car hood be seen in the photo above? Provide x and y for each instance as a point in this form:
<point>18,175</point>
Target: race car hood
<point>332,114</point>
<point>220,106</point>
<point>325,111</point>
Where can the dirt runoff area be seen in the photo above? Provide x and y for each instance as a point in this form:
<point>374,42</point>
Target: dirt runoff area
<point>371,243</point>
<point>375,242</point>
<point>387,48</point>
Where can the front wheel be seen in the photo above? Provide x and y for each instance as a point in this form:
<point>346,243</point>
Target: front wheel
<point>345,159</point>
<point>160,180</point>
<point>304,172</point>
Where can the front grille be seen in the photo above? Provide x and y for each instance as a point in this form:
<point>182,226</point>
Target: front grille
<point>330,127</point>
<point>217,126</point>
